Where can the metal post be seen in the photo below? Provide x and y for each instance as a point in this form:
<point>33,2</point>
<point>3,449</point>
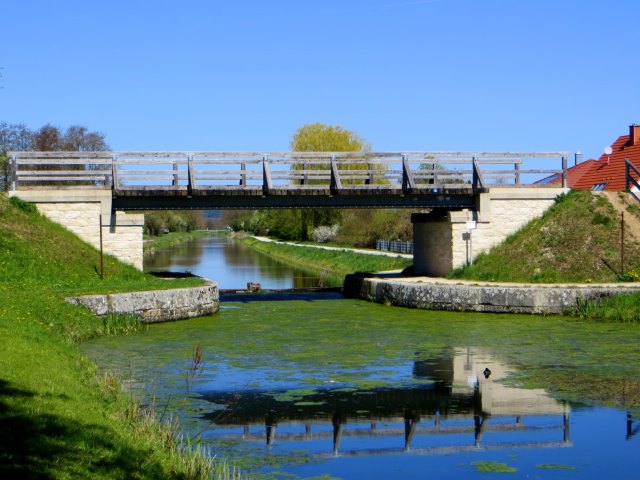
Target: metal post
<point>408,183</point>
<point>115,183</point>
<point>622,243</point>
<point>176,180</point>
<point>266,175</point>
<point>336,183</point>
<point>191,173</point>
<point>627,175</point>
<point>564,172</point>
<point>101,251</point>
<point>13,173</point>
<point>516,167</point>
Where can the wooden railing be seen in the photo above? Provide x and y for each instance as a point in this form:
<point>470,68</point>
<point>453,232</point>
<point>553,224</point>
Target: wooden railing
<point>275,172</point>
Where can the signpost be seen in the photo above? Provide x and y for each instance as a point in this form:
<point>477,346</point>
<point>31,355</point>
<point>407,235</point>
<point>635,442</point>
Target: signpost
<point>471,225</point>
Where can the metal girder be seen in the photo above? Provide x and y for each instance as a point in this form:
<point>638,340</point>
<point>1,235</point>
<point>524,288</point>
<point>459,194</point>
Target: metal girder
<point>224,202</point>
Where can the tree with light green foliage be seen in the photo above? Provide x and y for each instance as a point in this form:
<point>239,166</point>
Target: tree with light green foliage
<point>317,137</point>
<point>298,224</point>
<point>360,227</point>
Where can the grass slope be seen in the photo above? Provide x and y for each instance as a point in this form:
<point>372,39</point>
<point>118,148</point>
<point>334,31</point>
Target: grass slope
<point>157,242</point>
<point>57,418</point>
<point>338,263</point>
<point>576,241</point>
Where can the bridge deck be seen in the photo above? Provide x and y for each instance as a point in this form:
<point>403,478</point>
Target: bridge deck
<point>148,180</point>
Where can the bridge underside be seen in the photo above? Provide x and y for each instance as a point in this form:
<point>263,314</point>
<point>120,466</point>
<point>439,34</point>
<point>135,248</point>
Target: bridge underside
<point>222,199</point>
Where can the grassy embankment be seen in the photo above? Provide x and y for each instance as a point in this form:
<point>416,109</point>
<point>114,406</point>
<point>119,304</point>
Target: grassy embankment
<point>338,263</point>
<point>576,241</point>
<point>58,417</point>
<point>156,242</point>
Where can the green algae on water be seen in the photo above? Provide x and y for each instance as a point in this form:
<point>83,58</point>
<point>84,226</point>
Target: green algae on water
<point>493,467</point>
<point>555,466</point>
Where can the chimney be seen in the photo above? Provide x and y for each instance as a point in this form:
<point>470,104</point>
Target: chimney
<point>634,135</point>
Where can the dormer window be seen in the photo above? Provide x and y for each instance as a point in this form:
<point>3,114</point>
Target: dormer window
<point>599,186</point>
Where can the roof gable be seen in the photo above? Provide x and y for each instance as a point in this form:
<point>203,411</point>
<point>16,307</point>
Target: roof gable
<point>609,171</point>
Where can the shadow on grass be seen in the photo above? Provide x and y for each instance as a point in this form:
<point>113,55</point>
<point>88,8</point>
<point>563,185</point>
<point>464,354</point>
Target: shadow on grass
<point>42,445</point>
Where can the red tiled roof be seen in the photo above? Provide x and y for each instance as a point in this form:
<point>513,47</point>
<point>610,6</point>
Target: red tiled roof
<point>608,169</point>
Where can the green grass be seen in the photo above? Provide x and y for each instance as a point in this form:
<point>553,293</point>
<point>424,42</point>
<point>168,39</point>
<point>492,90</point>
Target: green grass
<point>618,308</point>
<point>155,242</point>
<point>576,241</point>
<point>337,263</point>
<point>58,417</point>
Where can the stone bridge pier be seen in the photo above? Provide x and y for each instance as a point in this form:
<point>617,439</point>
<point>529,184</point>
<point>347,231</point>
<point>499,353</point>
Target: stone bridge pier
<point>444,240</point>
<point>82,211</point>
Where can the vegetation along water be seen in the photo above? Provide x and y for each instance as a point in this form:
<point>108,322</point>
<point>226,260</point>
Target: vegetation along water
<point>327,386</point>
<point>59,417</point>
<point>308,387</point>
<point>323,386</point>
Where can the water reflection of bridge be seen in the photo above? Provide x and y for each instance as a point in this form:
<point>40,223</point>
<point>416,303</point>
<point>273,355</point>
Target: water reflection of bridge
<point>474,412</point>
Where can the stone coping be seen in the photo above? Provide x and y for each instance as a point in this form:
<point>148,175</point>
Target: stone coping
<point>156,305</point>
<point>444,294</point>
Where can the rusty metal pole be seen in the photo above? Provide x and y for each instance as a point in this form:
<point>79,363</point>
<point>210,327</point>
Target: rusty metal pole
<point>101,252</point>
<point>622,243</point>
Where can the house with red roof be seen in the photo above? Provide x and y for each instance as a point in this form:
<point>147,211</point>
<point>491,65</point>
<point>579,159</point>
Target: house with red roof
<point>610,170</point>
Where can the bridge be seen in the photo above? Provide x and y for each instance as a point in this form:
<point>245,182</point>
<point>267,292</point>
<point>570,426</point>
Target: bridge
<point>449,187</point>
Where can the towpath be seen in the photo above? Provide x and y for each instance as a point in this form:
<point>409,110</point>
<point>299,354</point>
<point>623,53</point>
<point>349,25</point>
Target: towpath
<point>342,249</point>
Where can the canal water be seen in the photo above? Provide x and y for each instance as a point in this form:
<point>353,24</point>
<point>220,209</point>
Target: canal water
<point>231,264</point>
<point>323,387</point>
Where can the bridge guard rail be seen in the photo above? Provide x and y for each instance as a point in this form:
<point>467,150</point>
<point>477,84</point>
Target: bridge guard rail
<point>277,173</point>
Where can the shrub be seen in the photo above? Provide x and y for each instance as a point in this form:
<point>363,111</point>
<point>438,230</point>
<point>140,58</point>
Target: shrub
<point>23,205</point>
<point>324,233</point>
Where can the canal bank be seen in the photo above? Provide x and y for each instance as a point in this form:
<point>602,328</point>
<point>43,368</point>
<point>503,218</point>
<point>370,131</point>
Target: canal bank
<point>429,293</point>
<point>156,305</point>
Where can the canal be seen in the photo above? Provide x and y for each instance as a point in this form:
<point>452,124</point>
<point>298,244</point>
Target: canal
<point>323,387</point>
<point>231,264</point>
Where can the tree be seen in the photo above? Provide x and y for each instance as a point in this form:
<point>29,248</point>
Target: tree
<point>47,139</point>
<point>15,137</point>
<point>78,139</point>
<point>317,137</point>
<point>298,224</point>
<point>12,137</point>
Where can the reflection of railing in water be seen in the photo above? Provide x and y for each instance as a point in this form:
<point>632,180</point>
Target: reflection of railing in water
<point>411,429</point>
<point>410,409</point>
<point>631,429</point>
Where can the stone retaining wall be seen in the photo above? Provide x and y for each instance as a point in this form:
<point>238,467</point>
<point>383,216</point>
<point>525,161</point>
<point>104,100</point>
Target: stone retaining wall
<point>478,298</point>
<point>156,305</point>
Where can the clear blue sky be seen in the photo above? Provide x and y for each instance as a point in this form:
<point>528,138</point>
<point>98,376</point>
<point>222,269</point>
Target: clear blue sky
<point>405,74</point>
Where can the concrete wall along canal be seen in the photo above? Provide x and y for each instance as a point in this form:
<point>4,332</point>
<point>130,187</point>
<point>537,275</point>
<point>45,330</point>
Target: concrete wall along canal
<point>157,305</point>
<point>498,298</point>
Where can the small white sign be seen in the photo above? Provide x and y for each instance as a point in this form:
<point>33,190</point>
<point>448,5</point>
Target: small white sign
<point>471,225</point>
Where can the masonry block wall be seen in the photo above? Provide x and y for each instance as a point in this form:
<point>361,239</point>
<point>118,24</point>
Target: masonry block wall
<point>80,212</point>
<point>442,240</point>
